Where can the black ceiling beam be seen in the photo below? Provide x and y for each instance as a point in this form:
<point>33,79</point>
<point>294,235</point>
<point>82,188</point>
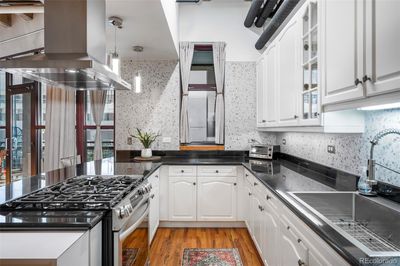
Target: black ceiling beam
<point>253,13</point>
<point>283,12</point>
<point>266,12</point>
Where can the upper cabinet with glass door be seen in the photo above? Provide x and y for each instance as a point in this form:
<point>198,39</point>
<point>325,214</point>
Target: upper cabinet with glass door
<point>310,96</point>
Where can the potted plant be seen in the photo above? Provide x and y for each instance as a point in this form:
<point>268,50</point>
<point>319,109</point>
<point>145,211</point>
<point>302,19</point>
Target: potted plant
<point>146,138</point>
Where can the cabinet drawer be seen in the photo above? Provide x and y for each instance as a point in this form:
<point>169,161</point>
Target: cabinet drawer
<point>219,170</point>
<point>182,170</point>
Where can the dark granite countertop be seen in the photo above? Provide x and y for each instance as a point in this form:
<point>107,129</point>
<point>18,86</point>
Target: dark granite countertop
<point>289,174</point>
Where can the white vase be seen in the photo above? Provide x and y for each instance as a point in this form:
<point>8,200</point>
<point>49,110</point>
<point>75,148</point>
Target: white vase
<point>146,153</point>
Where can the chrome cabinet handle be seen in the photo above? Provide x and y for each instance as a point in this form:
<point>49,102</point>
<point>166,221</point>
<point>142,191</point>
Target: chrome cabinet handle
<point>268,197</point>
<point>255,184</point>
<point>261,208</point>
<point>366,78</point>
<point>301,263</point>
<point>298,240</point>
<point>357,81</point>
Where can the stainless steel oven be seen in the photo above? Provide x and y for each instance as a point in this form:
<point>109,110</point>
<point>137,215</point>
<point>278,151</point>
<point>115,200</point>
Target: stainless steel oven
<point>131,228</point>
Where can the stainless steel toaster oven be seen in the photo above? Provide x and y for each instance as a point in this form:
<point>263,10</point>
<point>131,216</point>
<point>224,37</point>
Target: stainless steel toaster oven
<point>262,151</point>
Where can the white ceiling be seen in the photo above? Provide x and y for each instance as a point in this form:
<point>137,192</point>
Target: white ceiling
<point>144,24</point>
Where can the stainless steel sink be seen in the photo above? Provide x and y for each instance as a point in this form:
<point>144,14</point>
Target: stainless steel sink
<point>371,224</point>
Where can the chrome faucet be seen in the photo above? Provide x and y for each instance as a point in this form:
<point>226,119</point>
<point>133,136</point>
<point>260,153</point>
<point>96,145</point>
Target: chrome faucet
<point>371,162</point>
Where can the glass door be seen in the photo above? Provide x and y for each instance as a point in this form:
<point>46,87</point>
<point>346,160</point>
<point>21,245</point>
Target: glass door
<point>20,144</point>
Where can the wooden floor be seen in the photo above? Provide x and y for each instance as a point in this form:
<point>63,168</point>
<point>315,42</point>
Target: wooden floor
<point>169,243</point>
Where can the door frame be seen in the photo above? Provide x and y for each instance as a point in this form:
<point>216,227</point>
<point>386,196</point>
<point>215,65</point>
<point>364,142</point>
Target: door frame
<point>11,90</point>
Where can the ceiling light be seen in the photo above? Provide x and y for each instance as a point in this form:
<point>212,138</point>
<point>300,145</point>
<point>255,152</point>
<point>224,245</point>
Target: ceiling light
<point>115,63</point>
<point>137,79</point>
<point>380,107</point>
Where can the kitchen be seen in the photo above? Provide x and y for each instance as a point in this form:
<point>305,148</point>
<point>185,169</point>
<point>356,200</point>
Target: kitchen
<point>193,132</point>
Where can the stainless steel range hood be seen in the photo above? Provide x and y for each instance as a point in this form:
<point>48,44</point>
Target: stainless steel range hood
<point>75,49</point>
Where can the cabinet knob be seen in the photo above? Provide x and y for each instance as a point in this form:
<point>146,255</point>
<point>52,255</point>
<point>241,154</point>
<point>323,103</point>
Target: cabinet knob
<point>301,263</point>
<point>194,183</point>
<point>366,78</point>
<point>261,208</point>
<point>156,176</point>
<point>263,121</point>
<point>255,184</point>
<point>268,197</point>
<point>217,171</point>
<point>296,116</point>
<point>246,175</point>
<point>152,196</point>
<point>357,81</point>
<point>249,193</point>
<point>234,184</point>
<point>288,227</point>
<point>182,171</point>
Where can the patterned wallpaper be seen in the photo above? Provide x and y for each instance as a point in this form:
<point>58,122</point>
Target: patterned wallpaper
<point>157,107</point>
<point>352,150</point>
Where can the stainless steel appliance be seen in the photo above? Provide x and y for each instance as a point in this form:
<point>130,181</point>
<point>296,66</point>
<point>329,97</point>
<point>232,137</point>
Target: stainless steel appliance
<point>123,199</point>
<point>74,49</point>
<point>131,229</point>
<point>264,151</point>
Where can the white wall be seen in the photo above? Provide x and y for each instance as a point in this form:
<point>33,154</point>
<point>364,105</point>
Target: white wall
<point>219,21</point>
<point>171,12</point>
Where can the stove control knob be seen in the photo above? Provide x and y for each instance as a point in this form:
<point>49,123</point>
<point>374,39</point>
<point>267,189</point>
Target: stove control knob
<point>122,212</point>
<point>144,189</point>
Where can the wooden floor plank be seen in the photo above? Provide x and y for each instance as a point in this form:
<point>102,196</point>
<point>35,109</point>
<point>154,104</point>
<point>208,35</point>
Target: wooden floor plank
<point>169,243</point>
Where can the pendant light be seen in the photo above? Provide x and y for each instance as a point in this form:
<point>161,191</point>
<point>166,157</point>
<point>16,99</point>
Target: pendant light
<point>137,78</point>
<point>114,60</point>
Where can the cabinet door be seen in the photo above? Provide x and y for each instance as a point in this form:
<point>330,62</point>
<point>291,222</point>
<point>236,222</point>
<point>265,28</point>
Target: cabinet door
<point>288,72</point>
<point>270,237</point>
<point>154,213</point>
<point>247,205</point>
<point>260,71</point>
<point>342,56</point>
<point>216,199</point>
<point>382,46</point>
<point>182,198</point>
<point>256,221</point>
<point>270,85</point>
<point>296,253</point>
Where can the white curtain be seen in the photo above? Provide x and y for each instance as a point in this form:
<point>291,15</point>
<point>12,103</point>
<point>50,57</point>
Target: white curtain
<point>97,103</point>
<point>219,68</point>
<point>59,134</point>
<point>186,50</point>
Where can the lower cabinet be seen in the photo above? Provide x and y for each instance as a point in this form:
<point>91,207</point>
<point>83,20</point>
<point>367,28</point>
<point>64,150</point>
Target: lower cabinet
<point>216,199</point>
<point>280,237</point>
<point>154,212</point>
<point>182,198</point>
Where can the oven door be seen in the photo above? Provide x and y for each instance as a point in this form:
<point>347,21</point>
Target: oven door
<point>131,243</point>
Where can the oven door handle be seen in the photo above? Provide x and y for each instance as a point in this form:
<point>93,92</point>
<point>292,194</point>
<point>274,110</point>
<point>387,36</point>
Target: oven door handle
<point>125,233</point>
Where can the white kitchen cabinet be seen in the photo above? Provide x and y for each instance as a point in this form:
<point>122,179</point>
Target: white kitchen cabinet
<point>154,212</point>
<point>288,73</point>
<point>182,198</point>
<point>261,93</point>
<point>256,221</point>
<point>217,199</point>
<point>342,50</point>
<point>271,234</point>
<point>382,46</point>
<point>270,97</point>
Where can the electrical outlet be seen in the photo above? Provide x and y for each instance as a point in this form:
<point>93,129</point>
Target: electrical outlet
<point>331,149</point>
<point>283,141</point>
<point>166,140</point>
<point>129,141</point>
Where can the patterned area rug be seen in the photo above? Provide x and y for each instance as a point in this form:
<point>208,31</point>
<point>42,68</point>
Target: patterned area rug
<point>211,257</point>
<point>129,256</point>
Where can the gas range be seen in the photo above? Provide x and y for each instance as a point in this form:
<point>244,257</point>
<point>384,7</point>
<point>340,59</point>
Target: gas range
<point>78,193</point>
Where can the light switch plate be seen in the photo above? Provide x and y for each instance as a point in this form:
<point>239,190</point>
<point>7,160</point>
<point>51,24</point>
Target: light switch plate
<point>129,141</point>
<point>331,149</point>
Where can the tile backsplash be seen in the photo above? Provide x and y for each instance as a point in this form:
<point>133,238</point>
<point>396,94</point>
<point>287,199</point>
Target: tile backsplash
<point>352,150</point>
<point>157,107</point>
